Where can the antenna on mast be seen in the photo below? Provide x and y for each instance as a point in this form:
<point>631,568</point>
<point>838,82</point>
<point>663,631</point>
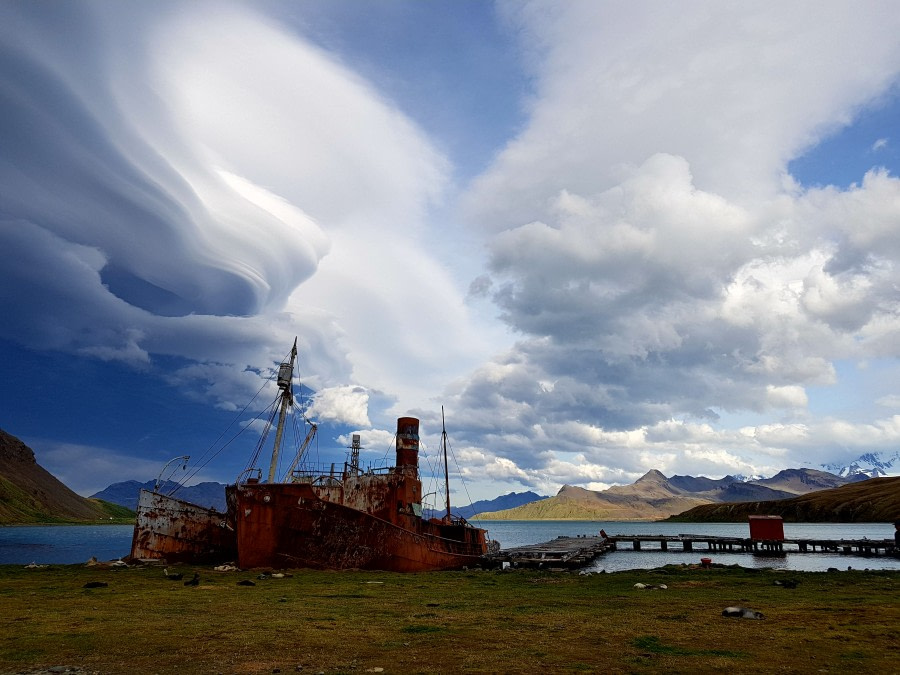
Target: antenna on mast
<point>285,380</point>
<point>446,469</point>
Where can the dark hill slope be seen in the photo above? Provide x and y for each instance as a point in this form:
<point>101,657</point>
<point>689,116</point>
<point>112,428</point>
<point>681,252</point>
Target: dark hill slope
<point>30,494</point>
<point>870,501</point>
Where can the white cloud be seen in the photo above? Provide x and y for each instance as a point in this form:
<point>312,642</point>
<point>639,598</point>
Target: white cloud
<point>344,405</point>
<point>889,401</point>
<point>790,396</point>
<point>658,267</point>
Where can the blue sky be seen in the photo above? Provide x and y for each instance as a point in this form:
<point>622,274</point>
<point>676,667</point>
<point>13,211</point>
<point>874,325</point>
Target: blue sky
<point>606,238</point>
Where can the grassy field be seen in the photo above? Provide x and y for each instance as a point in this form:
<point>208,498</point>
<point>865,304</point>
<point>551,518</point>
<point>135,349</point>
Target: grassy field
<point>451,622</point>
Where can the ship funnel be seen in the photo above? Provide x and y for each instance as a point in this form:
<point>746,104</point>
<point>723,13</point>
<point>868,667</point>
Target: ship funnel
<point>408,443</point>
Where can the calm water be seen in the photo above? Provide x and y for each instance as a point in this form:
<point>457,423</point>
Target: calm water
<point>64,544</point>
<point>520,533</point>
<point>71,544</point>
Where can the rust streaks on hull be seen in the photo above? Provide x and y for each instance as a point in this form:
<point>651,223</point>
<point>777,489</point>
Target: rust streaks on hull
<point>288,525</point>
<point>178,531</point>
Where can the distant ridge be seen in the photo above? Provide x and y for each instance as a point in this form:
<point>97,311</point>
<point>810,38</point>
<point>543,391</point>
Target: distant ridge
<point>473,510</point>
<point>30,494</point>
<point>869,501</point>
<point>653,496</point>
<point>209,494</point>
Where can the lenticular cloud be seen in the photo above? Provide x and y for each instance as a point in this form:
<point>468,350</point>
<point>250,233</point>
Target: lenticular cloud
<point>98,160</point>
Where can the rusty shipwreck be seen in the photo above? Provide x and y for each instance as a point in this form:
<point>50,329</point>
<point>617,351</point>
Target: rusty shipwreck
<point>346,518</point>
<point>355,519</point>
<point>174,530</point>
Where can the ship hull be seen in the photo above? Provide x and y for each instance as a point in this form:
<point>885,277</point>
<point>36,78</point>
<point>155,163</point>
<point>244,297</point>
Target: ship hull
<point>178,531</point>
<point>290,526</point>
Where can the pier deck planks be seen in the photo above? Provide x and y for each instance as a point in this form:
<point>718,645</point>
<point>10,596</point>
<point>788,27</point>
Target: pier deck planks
<point>575,552</point>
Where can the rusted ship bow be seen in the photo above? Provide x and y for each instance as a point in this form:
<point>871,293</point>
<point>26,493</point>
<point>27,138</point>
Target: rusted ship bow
<point>178,531</point>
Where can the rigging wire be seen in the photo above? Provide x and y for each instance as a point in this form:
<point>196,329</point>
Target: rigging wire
<point>459,472</point>
<point>273,410</point>
<point>200,463</point>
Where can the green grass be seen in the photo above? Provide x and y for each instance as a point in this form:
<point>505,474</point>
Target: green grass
<point>451,622</point>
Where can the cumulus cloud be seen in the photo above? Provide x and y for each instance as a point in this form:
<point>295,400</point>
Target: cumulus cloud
<point>737,91</point>
<point>345,405</point>
<point>657,291</point>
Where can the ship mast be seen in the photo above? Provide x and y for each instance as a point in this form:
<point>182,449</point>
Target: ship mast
<point>285,378</point>
<point>446,470</point>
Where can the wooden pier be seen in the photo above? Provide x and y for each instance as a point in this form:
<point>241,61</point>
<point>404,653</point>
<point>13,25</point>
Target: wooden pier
<point>690,542</point>
<point>562,552</point>
<point>574,552</point>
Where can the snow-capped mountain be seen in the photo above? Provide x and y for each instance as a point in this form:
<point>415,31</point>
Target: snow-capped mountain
<point>871,464</point>
<point>747,479</point>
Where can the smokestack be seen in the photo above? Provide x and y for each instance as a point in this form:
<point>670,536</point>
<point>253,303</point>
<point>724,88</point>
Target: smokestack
<point>408,443</point>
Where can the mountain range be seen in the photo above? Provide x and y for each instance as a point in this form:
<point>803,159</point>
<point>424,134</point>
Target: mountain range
<point>209,494</point>
<point>30,494</point>
<point>654,496</point>
<point>871,464</point>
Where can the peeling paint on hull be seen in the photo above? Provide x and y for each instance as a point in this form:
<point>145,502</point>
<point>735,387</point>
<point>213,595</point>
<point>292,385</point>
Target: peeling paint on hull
<point>290,525</point>
<point>178,531</point>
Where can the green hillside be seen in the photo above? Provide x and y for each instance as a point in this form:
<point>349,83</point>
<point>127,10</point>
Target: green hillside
<point>30,494</point>
<point>872,501</point>
<point>642,501</point>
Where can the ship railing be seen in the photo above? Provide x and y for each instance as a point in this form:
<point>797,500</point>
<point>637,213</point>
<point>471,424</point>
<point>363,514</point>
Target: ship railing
<point>245,476</point>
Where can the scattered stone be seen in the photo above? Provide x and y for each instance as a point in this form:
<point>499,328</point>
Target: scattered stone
<point>246,582</point>
<point>742,613</point>
<point>34,566</point>
<point>786,583</point>
<point>225,568</point>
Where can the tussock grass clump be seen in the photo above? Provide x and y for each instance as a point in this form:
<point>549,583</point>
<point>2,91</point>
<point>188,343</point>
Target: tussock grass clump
<point>447,622</point>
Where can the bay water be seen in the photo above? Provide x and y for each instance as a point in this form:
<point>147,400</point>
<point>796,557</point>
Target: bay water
<point>73,544</point>
<point>521,533</point>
